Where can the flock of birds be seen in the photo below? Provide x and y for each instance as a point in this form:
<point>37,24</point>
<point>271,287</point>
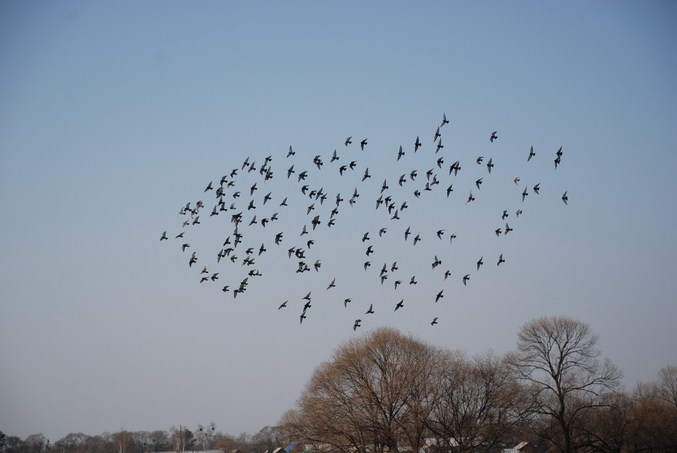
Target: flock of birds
<point>251,206</point>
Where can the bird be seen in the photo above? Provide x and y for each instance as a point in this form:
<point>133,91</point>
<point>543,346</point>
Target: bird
<point>444,120</point>
<point>283,305</point>
<point>478,183</point>
<point>536,188</point>
<point>480,262</point>
<point>493,137</point>
<point>400,153</point>
<point>417,145</point>
<point>565,198</point>
<point>434,321</point>
<point>399,305</point>
<point>357,324</point>
<point>439,296</point>
<point>500,260</point>
<point>531,154</point>
<point>164,236</point>
<point>290,152</point>
<point>466,277</point>
<point>525,193</point>
<point>332,284</point>
<point>470,198</point>
<point>371,310</point>
<point>348,141</point>
<point>346,302</point>
<point>363,143</point>
<point>490,164</point>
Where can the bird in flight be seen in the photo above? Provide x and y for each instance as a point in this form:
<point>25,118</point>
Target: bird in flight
<point>493,137</point>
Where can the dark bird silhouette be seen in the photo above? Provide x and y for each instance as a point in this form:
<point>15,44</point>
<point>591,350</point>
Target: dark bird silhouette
<point>417,145</point>
<point>478,183</point>
<point>479,160</point>
<point>366,174</point>
<point>371,310</point>
<point>444,120</point>
<point>357,324</point>
<point>480,262</point>
<point>283,305</point>
<point>348,141</point>
<point>164,236</point>
<point>346,301</point>
<point>493,137</point>
<point>466,277</point>
<point>536,188</point>
<point>363,143</point>
<point>290,152</point>
<point>332,284</point>
<point>490,164</point>
<point>531,154</point>
<point>434,322</point>
<point>439,296</point>
<point>399,305</point>
<point>470,198</point>
<point>400,153</point>
<point>500,260</point>
<point>525,193</point>
<point>565,198</point>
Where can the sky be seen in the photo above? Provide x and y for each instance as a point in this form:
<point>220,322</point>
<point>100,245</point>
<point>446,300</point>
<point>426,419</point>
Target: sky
<point>114,115</point>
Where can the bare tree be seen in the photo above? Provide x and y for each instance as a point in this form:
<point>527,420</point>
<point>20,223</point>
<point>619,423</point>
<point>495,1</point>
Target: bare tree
<point>557,358</point>
<point>478,402</point>
<point>369,397</point>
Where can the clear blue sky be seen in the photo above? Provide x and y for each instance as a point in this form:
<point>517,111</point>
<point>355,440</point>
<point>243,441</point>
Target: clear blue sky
<point>115,114</point>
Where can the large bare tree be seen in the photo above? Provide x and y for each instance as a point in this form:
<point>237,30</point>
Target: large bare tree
<point>558,359</point>
<point>371,396</point>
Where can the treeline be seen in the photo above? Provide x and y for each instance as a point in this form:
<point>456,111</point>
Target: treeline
<point>179,439</point>
<point>386,392</point>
